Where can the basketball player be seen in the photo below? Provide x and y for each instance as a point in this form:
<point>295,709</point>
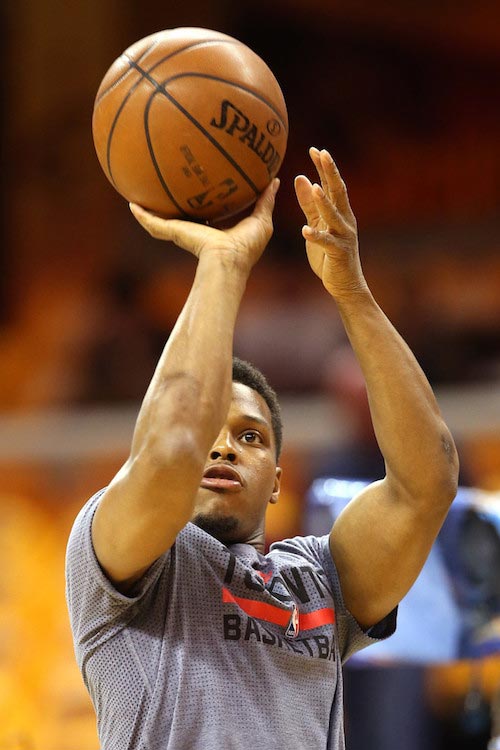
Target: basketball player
<point>189,636</point>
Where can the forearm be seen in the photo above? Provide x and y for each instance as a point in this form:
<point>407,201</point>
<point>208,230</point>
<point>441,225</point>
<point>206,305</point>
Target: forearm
<point>416,444</point>
<point>191,386</point>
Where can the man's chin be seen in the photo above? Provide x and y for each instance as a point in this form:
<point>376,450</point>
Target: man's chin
<point>223,528</point>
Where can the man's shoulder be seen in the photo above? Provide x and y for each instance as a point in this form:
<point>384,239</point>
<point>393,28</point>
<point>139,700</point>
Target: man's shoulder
<point>312,548</point>
<point>80,537</point>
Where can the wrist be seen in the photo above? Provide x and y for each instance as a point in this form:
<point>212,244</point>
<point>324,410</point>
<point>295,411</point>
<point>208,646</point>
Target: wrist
<point>226,261</point>
<point>223,275</point>
<point>351,297</point>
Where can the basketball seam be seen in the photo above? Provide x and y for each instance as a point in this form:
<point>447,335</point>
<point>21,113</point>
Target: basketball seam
<point>255,93</point>
<point>160,89</point>
<point>123,75</point>
<point>159,62</point>
<point>200,43</point>
<point>231,83</point>
<point>112,130</point>
<point>157,169</point>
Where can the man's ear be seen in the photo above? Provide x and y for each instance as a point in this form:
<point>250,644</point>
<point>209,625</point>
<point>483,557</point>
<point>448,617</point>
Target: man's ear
<point>277,485</point>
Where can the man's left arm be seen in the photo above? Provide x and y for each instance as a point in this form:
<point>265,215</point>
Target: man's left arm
<point>381,540</point>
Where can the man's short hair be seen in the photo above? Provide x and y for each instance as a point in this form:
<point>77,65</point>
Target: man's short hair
<point>247,374</point>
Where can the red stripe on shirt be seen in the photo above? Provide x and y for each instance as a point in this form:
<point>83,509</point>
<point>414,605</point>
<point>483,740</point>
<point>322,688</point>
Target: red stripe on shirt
<point>260,610</point>
<point>310,620</point>
<point>270,613</point>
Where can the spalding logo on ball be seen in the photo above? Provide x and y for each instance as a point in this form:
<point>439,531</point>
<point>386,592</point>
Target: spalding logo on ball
<point>190,123</point>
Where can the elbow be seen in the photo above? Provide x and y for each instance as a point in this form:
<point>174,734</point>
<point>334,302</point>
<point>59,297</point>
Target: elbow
<point>177,423</point>
<point>450,466</point>
<point>182,405</point>
<point>441,480</point>
<point>179,447</point>
<point>432,483</point>
<point>445,490</point>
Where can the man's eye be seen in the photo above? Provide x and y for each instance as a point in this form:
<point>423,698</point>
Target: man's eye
<point>250,436</point>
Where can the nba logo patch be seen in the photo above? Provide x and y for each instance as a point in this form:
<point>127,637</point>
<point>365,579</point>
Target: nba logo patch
<point>292,630</point>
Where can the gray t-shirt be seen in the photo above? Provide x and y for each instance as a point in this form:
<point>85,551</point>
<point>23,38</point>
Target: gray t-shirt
<point>218,648</point>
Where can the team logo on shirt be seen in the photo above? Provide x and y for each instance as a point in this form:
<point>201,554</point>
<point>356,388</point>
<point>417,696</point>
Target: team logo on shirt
<point>296,587</point>
<point>292,630</point>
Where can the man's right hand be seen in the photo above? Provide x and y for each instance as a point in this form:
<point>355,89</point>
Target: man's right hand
<point>243,243</point>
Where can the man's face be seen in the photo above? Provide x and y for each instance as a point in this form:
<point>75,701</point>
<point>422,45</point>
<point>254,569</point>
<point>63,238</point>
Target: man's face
<point>241,476</point>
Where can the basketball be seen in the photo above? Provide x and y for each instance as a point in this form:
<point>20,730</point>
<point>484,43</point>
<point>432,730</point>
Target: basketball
<point>190,123</point>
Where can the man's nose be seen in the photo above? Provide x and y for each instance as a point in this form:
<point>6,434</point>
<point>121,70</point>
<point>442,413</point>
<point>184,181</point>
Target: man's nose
<point>224,448</point>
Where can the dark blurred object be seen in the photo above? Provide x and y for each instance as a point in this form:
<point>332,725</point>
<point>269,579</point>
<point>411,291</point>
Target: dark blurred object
<point>470,728</point>
<point>286,326</point>
<point>479,554</point>
<point>495,716</point>
<point>359,455</point>
<point>470,540</point>
<point>401,687</point>
<point>125,346</point>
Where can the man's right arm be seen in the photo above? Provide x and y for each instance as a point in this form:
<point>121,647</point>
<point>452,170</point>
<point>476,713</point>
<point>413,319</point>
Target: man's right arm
<point>151,498</point>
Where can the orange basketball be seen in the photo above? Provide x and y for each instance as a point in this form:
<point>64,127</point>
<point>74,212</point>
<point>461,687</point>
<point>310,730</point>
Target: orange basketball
<point>190,123</point>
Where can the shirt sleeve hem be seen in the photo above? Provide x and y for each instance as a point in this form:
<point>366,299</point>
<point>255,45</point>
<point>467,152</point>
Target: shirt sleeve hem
<point>140,588</point>
<point>377,632</point>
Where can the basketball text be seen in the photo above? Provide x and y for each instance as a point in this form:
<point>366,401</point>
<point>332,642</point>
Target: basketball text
<point>234,122</point>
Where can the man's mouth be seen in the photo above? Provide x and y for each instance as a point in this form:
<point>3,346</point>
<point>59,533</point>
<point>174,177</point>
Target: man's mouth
<point>221,477</point>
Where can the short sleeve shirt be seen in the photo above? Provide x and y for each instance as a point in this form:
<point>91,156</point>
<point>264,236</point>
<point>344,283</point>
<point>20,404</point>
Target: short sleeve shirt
<point>218,647</point>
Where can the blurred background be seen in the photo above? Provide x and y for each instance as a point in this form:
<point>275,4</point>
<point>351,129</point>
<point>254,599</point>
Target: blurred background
<point>406,98</point>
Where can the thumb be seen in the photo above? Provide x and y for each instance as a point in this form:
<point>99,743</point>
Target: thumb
<point>188,235</point>
<point>262,212</point>
<point>155,225</point>
<point>258,227</point>
<point>265,204</point>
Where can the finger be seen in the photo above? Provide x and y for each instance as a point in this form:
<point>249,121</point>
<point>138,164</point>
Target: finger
<point>317,236</point>
<point>141,214</point>
<point>330,243</point>
<point>330,214</point>
<point>155,225</point>
<point>305,197</point>
<point>261,218</point>
<point>265,204</point>
<point>336,186</point>
<point>185,234</point>
<point>315,155</point>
